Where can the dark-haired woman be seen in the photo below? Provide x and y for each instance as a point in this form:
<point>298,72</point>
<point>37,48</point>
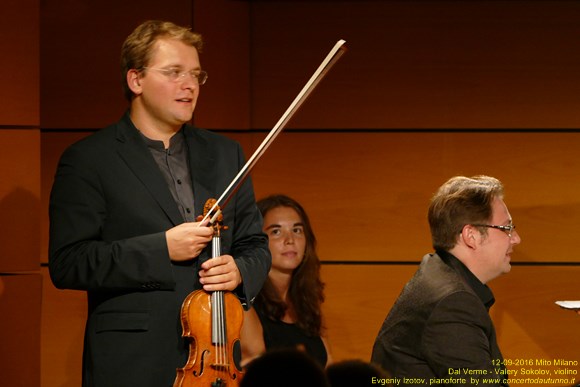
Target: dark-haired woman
<point>287,312</point>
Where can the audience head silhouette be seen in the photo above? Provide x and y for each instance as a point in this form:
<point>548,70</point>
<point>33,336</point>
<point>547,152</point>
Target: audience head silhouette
<point>284,368</point>
<point>350,373</point>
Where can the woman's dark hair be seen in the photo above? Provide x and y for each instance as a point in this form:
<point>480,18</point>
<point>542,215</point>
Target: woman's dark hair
<point>306,289</point>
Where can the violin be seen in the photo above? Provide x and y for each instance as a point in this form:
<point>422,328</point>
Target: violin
<point>211,356</point>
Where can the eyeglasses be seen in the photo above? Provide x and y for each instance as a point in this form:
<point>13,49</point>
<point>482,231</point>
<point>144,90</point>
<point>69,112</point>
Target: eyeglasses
<point>507,229</point>
<point>174,75</point>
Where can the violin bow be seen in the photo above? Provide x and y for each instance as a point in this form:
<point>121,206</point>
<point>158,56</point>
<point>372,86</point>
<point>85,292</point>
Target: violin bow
<point>335,53</point>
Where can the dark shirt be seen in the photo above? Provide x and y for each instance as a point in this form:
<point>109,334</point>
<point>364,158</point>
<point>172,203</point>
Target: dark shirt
<point>483,291</point>
<point>278,334</point>
<point>174,167</point>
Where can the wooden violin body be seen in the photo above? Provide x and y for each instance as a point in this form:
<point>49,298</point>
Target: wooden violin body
<point>209,364</point>
<point>212,322</point>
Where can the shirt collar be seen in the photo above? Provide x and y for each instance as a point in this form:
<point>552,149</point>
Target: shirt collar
<point>482,290</point>
<point>175,142</point>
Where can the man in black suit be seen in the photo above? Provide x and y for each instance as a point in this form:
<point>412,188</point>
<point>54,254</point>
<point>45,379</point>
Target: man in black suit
<point>439,329</point>
<point>123,212</point>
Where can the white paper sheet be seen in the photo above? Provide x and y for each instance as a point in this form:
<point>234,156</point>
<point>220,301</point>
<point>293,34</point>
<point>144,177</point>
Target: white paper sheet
<point>569,304</point>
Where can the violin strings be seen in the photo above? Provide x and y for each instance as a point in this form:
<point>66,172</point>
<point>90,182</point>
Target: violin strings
<point>218,316</point>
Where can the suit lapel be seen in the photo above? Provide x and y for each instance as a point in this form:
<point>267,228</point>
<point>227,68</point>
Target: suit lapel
<point>134,152</point>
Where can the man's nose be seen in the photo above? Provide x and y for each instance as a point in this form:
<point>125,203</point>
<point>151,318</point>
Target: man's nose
<point>515,238</point>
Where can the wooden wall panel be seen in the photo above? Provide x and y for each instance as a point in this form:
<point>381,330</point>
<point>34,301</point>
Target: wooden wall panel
<point>20,287</point>
<point>64,313</point>
<point>52,146</point>
<point>528,323</point>
<point>358,298</point>
<point>19,200</point>
<point>19,69</point>
<point>20,300</point>
<point>224,101</point>
<point>20,282</point>
<point>367,193</point>
<point>440,64</point>
<point>80,51</point>
<point>419,64</point>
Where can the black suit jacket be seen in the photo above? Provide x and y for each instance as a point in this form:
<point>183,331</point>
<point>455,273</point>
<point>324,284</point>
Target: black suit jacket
<point>109,209</point>
<point>439,323</point>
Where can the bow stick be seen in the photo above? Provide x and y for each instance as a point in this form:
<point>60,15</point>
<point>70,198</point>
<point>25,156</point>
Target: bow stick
<point>332,57</point>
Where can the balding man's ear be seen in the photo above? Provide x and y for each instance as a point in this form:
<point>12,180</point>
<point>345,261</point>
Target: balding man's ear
<point>469,236</point>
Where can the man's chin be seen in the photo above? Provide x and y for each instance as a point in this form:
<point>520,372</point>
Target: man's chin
<point>508,268</point>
